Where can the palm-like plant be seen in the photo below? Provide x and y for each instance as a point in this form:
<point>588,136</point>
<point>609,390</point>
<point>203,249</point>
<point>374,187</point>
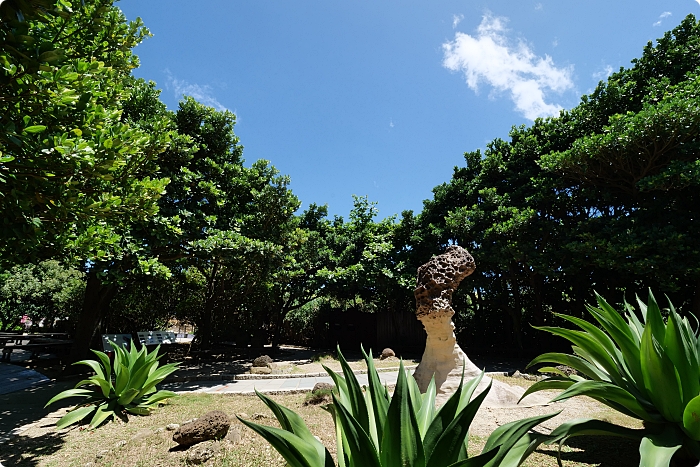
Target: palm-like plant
<point>374,429</point>
<point>648,369</point>
<point>131,387</point>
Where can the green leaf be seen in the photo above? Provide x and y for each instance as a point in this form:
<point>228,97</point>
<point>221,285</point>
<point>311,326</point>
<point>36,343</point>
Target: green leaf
<point>102,413</point>
<point>138,410</point>
<point>75,416</point>
<point>547,384</point>
<point>296,451</point>
<point>292,422</point>
<point>660,378</point>
<point>589,426</point>
<point>158,396</point>
<point>361,450</point>
<point>477,461</point>
<point>427,411</point>
<point>691,418</point>
<point>35,129</point>
<point>681,352</point>
<point>401,440</point>
<point>506,436</point>
<point>95,367</point>
<point>658,449</point>
<point>447,448</point>
<point>358,405</point>
<point>377,394</point>
<point>128,396</point>
<point>603,392</point>
<point>122,379</point>
<point>442,420</point>
<point>517,453</point>
<point>70,393</point>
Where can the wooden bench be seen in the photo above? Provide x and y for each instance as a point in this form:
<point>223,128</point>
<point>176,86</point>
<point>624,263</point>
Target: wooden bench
<point>157,337</point>
<point>121,340</point>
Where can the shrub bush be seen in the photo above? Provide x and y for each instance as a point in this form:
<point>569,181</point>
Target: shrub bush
<point>129,388</point>
<point>648,369</point>
<point>374,429</point>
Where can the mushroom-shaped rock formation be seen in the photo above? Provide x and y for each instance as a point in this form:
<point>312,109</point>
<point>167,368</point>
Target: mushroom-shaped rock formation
<point>443,357</point>
<point>437,279</point>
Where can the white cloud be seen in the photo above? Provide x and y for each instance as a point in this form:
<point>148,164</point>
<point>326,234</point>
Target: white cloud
<point>604,73</point>
<point>698,1</point>
<point>539,6</point>
<point>555,42</point>
<point>391,122</point>
<point>202,93</point>
<point>490,57</point>
<point>663,15</point>
<point>456,19</point>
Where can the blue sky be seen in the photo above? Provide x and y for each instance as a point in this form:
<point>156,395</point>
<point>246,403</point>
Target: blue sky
<point>382,98</point>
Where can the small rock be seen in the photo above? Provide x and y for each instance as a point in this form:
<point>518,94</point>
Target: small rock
<point>189,421</point>
<point>89,464</point>
<point>201,453</point>
<point>212,425</point>
<point>260,370</point>
<point>173,426</point>
<point>160,430</point>
<point>517,374</point>
<point>120,444</point>
<point>258,416</point>
<point>567,370</point>
<point>322,386</point>
<point>386,353</point>
<point>233,435</point>
<point>243,415</point>
<point>102,453</point>
<point>262,361</point>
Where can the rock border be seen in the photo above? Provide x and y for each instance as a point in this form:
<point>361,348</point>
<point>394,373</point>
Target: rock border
<point>248,376</point>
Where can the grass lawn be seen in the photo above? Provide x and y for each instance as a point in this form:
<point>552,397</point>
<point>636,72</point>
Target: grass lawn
<point>143,441</point>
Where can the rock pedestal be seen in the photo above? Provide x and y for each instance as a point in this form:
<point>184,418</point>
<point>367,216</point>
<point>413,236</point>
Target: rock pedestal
<point>443,357</point>
<point>437,279</point>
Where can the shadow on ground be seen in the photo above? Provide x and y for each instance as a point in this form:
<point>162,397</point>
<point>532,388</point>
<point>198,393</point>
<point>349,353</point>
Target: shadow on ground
<point>27,406</point>
<point>602,451</point>
<point>27,452</point>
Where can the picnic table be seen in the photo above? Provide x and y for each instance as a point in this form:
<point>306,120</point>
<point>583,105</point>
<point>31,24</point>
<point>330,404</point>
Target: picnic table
<point>37,343</point>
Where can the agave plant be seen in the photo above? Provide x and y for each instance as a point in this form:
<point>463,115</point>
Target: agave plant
<point>374,429</point>
<point>131,387</point>
<point>648,369</point>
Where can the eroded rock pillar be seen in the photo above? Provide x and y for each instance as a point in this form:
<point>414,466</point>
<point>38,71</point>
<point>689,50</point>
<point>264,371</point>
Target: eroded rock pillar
<point>443,357</point>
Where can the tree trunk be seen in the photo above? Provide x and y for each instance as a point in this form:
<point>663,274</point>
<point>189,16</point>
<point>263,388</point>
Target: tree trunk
<point>204,327</point>
<point>95,305</point>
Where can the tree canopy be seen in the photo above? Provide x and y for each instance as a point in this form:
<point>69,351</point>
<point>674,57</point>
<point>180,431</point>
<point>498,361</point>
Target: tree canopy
<point>154,214</point>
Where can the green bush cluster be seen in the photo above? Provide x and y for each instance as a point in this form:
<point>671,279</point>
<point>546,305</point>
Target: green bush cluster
<point>130,388</point>
<point>648,369</point>
<point>374,429</point>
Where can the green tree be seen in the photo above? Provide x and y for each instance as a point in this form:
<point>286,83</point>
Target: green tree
<point>73,173</point>
<point>48,293</point>
<point>601,197</point>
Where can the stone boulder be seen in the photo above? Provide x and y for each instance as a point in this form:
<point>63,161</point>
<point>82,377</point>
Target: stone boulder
<point>323,386</point>
<point>210,426</point>
<point>262,361</point>
<point>386,353</point>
